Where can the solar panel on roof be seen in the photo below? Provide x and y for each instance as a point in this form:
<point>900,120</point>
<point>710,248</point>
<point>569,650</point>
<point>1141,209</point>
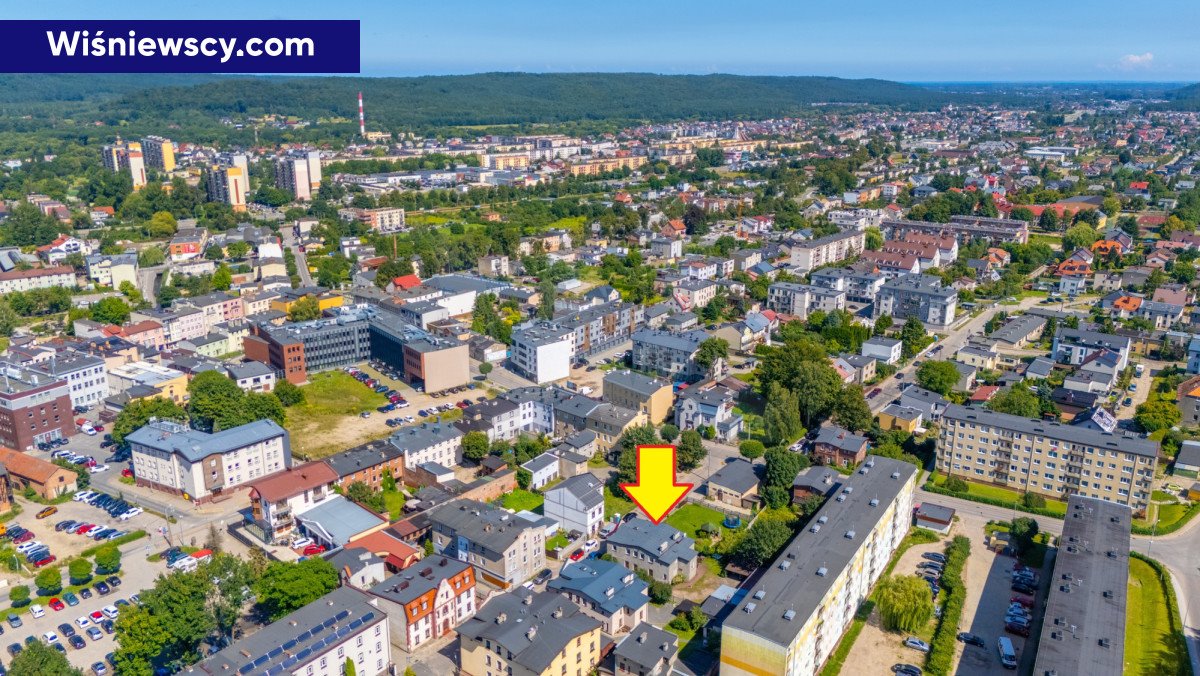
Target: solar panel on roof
<point>289,662</point>
<point>303,654</point>
<point>356,623</point>
<point>342,615</point>
<point>246,668</point>
<point>275,653</point>
<point>317,629</point>
<point>305,636</point>
<point>368,616</point>
<point>263,659</point>
<point>329,623</point>
<point>343,632</point>
<point>290,644</point>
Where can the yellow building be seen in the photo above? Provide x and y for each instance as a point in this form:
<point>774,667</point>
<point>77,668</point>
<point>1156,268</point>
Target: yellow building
<point>159,152</point>
<point>637,392</point>
<point>605,165</point>
<point>143,380</point>
<point>503,161</point>
<point>524,633</point>
<point>897,417</point>
<point>325,300</point>
<point>1048,458</point>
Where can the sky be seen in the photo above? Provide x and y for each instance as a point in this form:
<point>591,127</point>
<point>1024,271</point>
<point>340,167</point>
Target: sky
<point>922,41</point>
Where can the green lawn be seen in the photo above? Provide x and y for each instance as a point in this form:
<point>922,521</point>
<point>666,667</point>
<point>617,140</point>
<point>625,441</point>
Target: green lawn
<point>559,540</point>
<point>616,504</point>
<point>520,500</point>
<point>690,517</point>
<point>330,397</point>
<point>393,501</point>
<point>1162,496</point>
<point>994,492</point>
<point>1166,515</point>
<point>1153,644</point>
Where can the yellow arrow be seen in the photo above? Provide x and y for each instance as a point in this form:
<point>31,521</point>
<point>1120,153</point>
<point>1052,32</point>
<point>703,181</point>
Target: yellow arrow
<point>656,492</point>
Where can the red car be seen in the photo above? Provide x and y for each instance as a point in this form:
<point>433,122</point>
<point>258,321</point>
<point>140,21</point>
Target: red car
<point>127,472</point>
<point>313,549</point>
<point>578,554</point>
<point>23,537</point>
<point>45,562</point>
<point>57,604</point>
<point>98,428</point>
<point>1023,600</point>
<point>84,528</point>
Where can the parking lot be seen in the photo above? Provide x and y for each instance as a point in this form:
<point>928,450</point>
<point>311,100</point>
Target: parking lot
<point>64,544</point>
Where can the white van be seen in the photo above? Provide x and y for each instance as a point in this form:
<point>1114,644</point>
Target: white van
<point>1008,656</point>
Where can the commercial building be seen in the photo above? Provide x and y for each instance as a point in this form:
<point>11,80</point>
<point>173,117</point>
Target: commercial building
<point>527,633</point>
<point>141,379</point>
<point>606,591</point>
<point>920,296</point>
<point>505,550</point>
<point>1048,458</point>
<point>427,600</point>
<point>316,640</point>
<point>33,408</point>
<point>668,354</point>
<point>637,392</point>
<point>794,615</point>
<point>659,550</point>
<point>295,350</point>
<point>171,457</point>
<point>542,352</point>
<point>436,363</point>
<point>829,249</point>
<point>1084,628</point>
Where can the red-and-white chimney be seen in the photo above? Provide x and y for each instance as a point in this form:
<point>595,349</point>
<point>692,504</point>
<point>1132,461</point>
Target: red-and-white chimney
<point>362,120</point>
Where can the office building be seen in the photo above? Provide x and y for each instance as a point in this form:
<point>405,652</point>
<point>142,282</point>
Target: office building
<point>173,458</point>
<point>1083,632</point>
<point>301,348</point>
<point>86,376</point>
<point>920,296</point>
<point>1047,458</point>
<point>316,640</point>
<point>436,363</point>
<point>796,612</point>
<point>34,408</point>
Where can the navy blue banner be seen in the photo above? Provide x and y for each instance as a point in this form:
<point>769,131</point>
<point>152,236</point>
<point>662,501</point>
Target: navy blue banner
<point>179,46</point>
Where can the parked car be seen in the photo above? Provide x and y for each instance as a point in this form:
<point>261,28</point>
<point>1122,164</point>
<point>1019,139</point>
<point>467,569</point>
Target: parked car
<point>577,555</point>
<point>57,604</point>
<point>916,644</point>
<point>971,639</point>
<point>49,511</point>
<point>313,549</point>
<point>906,670</point>
<point>40,563</point>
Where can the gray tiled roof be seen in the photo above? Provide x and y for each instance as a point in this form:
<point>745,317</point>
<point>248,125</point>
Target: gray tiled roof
<point>194,445</point>
<point>644,645</point>
<point>640,533</point>
<point>422,577</point>
<point>593,578</point>
<point>420,437</point>
<point>361,457</point>
<point>738,476</point>
<point>586,488</point>
<point>1127,443</point>
<point>525,624</point>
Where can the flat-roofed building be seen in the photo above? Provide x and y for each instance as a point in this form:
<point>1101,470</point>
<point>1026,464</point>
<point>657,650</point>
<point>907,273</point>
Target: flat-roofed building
<point>1083,633</point>
<point>795,613</point>
<point>1048,458</point>
<point>34,407</point>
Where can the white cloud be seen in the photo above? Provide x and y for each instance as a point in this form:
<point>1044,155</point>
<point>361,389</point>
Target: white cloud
<point>1136,61</point>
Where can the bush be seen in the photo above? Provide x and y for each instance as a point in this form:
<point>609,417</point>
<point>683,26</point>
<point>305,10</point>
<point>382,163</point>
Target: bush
<point>1009,504</point>
<point>945,636</point>
<point>956,485</point>
<point>668,432</point>
<point>1033,500</point>
<point>660,592</point>
<point>19,595</point>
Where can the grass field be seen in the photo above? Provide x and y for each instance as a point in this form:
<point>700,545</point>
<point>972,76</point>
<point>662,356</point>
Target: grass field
<point>394,502</point>
<point>1153,644</point>
<point>332,399</point>
<point>1166,515</point>
<point>1000,493</point>
<point>615,503</point>
<point>521,500</point>
<point>690,517</point>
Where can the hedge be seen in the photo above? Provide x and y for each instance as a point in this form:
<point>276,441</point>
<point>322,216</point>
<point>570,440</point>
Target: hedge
<point>995,502</point>
<point>1171,527</point>
<point>124,539</point>
<point>940,660</point>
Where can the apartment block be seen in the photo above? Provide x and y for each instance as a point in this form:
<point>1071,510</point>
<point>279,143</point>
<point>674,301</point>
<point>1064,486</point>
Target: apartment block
<point>37,278</point>
<point>799,300</point>
<point>1084,627</point>
<point>228,185</point>
<point>427,600</point>
<point>429,442</point>
<point>291,176</point>
<point>542,352</point>
<point>963,228</point>
<point>173,458</point>
<point>276,500</point>
<point>526,633</point>
<point>601,327</point>
<point>1048,458</point>
<point>86,376</point>
<point>829,249</point>
<point>159,152</point>
<point>668,354</point>
<point>920,296</point>
<point>637,392</point>
<point>504,549</point>
<point>317,640</point>
<point>859,287</point>
<point>794,615</point>
<point>384,219</point>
